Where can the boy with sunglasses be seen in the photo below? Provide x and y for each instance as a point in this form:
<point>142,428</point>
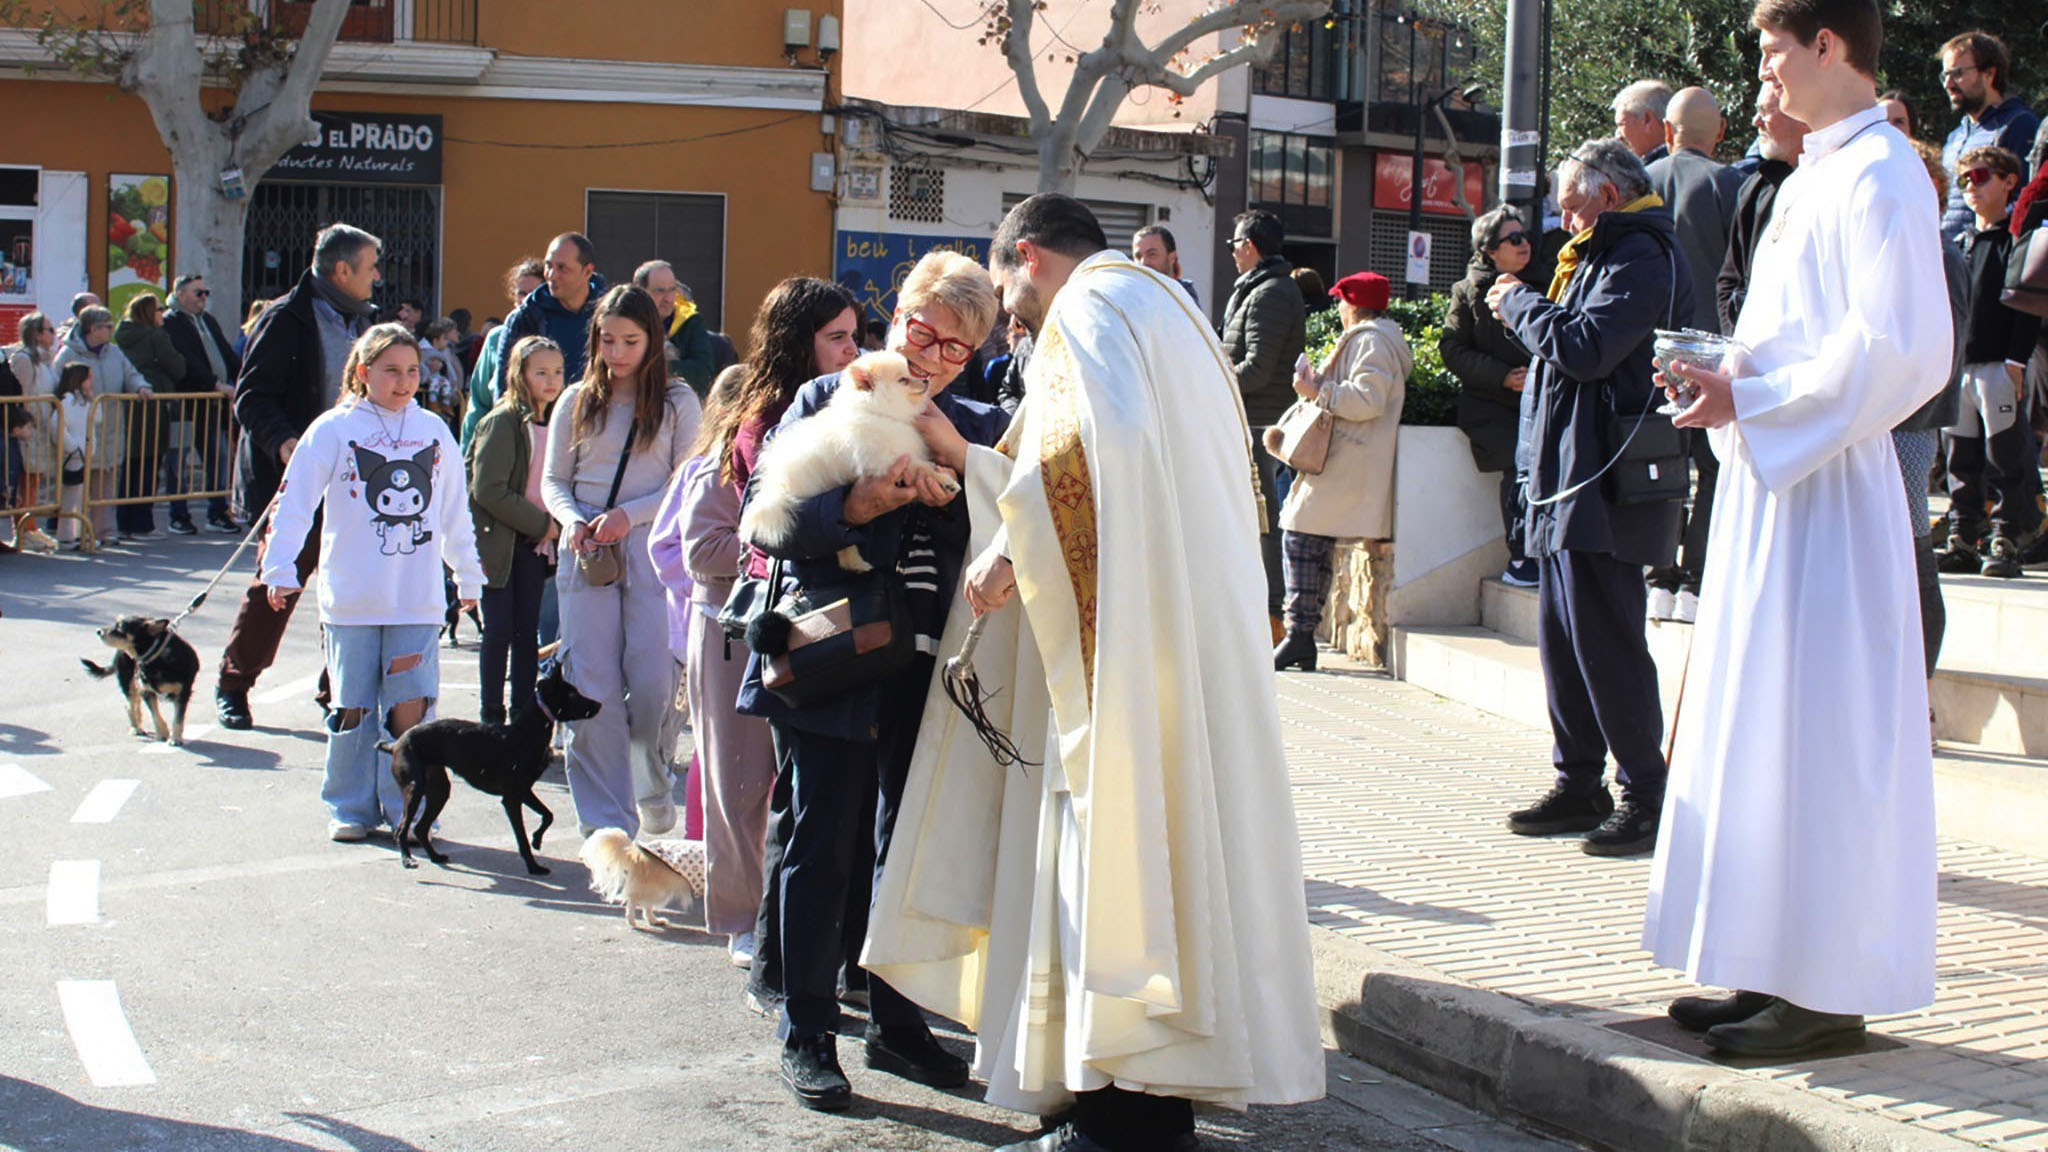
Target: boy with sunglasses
<point>1991,446</point>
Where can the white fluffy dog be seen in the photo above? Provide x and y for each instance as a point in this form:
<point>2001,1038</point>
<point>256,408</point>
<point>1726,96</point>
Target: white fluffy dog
<point>646,877</point>
<point>870,422</point>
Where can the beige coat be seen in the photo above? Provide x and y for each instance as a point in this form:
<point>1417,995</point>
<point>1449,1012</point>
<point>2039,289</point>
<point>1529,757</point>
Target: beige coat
<point>1363,384</point>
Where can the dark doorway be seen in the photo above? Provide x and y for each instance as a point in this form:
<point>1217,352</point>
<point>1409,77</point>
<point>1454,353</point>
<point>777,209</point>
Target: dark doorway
<point>277,243</point>
<point>685,229</point>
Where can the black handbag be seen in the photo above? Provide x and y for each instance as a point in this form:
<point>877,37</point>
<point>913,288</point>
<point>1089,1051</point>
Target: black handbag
<point>750,596</point>
<point>822,642</point>
<point>1651,461</point>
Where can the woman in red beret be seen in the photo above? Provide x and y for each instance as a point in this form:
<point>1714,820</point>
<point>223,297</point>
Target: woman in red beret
<point>1362,384</point>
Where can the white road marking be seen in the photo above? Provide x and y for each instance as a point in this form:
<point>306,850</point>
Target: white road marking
<point>18,781</point>
<point>301,687</point>
<point>104,802</point>
<point>74,894</point>
<point>164,748</point>
<point>99,1030</point>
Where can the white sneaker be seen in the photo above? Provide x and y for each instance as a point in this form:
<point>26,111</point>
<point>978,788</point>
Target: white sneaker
<point>657,817</point>
<point>739,948</point>
<point>1688,607</point>
<point>1663,603</point>
<point>342,832</point>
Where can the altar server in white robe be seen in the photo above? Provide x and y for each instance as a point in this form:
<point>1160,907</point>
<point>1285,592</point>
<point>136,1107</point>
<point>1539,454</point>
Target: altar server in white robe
<point>1120,920</point>
<point>1796,863</point>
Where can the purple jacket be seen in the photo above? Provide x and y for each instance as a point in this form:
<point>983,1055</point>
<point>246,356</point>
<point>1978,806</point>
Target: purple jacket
<point>665,548</point>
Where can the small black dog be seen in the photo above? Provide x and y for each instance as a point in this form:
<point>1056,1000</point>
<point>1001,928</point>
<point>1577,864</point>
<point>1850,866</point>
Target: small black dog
<point>504,760</point>
<point>152,664</point>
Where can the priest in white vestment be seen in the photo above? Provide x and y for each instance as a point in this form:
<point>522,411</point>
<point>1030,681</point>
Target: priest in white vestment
<point>1796,863</point>
<point>1120,918</point>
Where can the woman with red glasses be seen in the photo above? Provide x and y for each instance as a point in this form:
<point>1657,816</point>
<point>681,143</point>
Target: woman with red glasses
<point>845,759</point>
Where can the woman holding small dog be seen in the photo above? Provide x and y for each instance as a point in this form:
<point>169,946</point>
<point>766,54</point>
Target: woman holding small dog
<point>396,510</point>
<point>515,536</point>
<point>850,754</point>
<point>619,434</point>
<point>1362,385</point>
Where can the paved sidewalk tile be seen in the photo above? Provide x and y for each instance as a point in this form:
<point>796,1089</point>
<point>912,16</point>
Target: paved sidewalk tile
<point>1403,797</point>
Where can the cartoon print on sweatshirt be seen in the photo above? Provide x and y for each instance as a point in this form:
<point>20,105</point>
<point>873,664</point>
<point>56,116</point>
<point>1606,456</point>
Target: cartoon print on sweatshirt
<point>398,491</point>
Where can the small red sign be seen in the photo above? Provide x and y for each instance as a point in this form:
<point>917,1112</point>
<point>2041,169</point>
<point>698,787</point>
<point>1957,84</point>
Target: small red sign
<point>1391,184</point>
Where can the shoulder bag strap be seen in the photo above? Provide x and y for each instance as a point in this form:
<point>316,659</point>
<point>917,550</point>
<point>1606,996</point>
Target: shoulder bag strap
<point>625,453</point>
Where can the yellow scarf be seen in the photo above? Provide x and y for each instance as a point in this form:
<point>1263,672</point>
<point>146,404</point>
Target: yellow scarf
<point>1568,259</point>
<point>684,310</point>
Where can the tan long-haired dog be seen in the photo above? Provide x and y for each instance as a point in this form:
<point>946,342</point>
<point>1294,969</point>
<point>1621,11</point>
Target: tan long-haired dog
<point>646,877</point>
<point>869,423</point>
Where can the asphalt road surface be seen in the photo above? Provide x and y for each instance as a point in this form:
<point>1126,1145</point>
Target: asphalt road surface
<point>187,963</point>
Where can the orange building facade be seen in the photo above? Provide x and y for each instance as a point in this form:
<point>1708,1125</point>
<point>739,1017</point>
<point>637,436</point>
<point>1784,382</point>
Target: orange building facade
<point>466,133</point>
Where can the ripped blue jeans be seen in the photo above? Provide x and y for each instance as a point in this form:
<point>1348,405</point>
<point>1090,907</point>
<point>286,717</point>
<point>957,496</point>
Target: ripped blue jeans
<point>374,668</point>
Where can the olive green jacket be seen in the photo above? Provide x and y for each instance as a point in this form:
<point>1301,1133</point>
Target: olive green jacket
<point>500,457</point>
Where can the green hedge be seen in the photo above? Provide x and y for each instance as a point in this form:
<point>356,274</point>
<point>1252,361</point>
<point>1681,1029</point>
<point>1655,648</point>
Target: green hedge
<point>1432,391</point>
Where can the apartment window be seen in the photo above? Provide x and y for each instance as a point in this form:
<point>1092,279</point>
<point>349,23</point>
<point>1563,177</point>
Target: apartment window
<point>1289,168</point>
<point>1308,63</point>
<point>687,229</point>
<point>1420,57</point>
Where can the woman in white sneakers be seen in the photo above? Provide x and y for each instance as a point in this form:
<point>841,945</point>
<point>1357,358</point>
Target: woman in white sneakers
<point>397,509</point>
<point>615,439</point>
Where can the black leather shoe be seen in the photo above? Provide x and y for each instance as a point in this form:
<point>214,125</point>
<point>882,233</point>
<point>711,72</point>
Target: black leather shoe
<point>1699,1013</point>
<point>232,706</point>
<point>1297,651</point>
<point>1630,831</point>
<point>1784,1030</point>
<point>914,1056</point>
<point>810,1070</point>
<point>1563,810</point>
<point>1065,1138</point>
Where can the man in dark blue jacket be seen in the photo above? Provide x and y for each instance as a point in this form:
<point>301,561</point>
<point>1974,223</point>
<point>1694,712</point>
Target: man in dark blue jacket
<point>559,309</point>
<point>844,758</point>
<point>1622,277</point>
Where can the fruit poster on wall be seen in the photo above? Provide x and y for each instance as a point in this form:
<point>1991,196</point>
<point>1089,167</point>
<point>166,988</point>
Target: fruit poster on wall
<point>138,238</point>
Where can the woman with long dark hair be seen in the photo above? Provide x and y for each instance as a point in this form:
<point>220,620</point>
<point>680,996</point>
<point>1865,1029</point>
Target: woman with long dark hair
<point>804,329</point>
<point>615,439</point>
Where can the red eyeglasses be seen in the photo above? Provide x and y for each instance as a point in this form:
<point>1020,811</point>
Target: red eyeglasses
<point>1975,176</point>
<point>923,335</point>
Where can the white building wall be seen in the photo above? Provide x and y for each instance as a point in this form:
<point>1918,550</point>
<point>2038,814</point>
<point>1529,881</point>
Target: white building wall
<point>973,207</point>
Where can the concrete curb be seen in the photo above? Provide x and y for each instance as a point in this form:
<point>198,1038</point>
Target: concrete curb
<point>1569,1075</point>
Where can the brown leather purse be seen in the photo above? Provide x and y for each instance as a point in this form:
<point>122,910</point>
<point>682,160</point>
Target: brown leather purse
<point>1301,440</point>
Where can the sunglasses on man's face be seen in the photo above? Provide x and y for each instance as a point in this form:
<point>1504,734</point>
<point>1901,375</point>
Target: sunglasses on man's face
<point>1976,176</point>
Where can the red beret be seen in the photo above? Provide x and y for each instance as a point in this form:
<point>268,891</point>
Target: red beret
<point>1368,290</point>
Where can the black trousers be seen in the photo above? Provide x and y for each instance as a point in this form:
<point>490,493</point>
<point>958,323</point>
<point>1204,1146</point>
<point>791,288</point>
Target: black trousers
<point>1124,1121</point>
<point>512,630</point>
<point>1699,519</point>
<point>1597,672</point>
<point>1269,544</point>
<point>1987,479</point>
<point>1514,517</point>
<point>843,800</point>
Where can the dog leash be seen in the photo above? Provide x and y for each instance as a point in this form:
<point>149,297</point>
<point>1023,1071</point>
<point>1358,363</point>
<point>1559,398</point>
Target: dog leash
<point>256,527</point>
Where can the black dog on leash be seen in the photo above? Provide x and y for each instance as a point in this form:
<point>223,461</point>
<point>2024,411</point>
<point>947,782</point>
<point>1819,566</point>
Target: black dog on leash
<point>152,664</point>
<point>504,760</point>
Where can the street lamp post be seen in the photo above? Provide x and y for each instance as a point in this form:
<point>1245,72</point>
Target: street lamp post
<point>1468,91</point>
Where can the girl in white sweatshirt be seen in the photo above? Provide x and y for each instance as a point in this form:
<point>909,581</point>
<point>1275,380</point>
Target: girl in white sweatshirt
<point>397,509</point>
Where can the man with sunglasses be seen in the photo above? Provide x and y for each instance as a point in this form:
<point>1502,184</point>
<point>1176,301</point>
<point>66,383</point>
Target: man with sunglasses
<point>210,366</point>
<point>1974,71</point>
<point>1265,327</point>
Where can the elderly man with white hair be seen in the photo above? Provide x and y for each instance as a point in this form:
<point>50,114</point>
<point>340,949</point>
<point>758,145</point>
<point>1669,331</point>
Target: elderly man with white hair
<point>1639,118</point>
<point>1621,277</point>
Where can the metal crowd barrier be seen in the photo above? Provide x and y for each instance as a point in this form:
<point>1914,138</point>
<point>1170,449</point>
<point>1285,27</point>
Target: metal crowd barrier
<point>149,449</point>
<point>32,489</point>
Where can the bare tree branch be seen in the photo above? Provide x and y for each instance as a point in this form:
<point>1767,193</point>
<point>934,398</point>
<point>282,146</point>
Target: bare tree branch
<point>1241,14</point>
<point>1018,47</point>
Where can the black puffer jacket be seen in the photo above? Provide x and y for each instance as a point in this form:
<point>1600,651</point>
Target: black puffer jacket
<point>1592,354</point>
<point>1480,352</point>
<point>1265,328</point>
